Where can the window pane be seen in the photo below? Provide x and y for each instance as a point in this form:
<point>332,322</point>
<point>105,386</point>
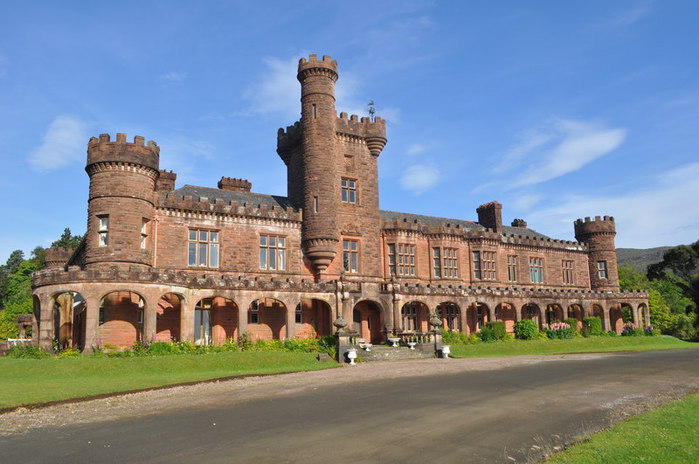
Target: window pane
<point>103,239</point>
<point>351,196</point>
<point>345,245</point>
<point>263,240</point>
<point>273,241</point>
<point>213,236</point>
<point>272,259</point>
<point>282,260</point>
<point>344,195</point>
<point>203,235</point>
<point>192,254</point>
<point>202,254</point>
<point>192,234</point>
<point>352,184</point>
<point>263,258</point>
<point>354,262</point>
<point>344,182</point>
<point>282,242</point>
<point>354,245</point>
<point>213,255</point>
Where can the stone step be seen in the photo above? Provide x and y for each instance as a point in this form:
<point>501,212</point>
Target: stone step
<point>388,353</point>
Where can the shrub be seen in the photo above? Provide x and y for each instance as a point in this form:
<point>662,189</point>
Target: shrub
<point>245,341</point>
<point>526,329</point>
<point>559,330</point>
<point>592,326</point>
<point>498,328</point>
<point>161,348</point>
<point>630,330</point>
<point>27,351</point>
<point>69,353</point>
<point>487,334</point>
<point>573,322</point>
<point>451,337</point>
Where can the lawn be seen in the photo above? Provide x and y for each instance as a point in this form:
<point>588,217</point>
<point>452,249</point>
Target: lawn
<point>575,345</point>
<point>669,434</point>
<point>27,381</point>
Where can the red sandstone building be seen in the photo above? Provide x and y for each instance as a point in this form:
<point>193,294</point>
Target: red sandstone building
<point>207,264</point>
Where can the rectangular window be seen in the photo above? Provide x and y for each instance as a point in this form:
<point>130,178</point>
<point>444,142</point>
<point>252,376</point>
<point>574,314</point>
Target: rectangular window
<point>144,233</point>
<point>272,252</point>
<point>103,230</point>
<point>445,263</point>
<point>602,269</point>
<point>254,313</point>
<point>349,191</point>
<point>484,265</point>
<point>298,314</point>
<point>203,248</point>
<point>350,255</point>
<point>536,270</point>
<point>568,274</point>
<point>512,268</point>
<point>401,259</point>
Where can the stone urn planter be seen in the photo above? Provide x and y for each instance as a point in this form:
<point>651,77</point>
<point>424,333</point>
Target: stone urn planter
<point>352,355</point>
<point>394,341</point>
<point>446,350</point>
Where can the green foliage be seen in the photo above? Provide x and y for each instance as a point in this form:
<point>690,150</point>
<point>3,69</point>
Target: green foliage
<point>452,337</point>
<point>526,329</point>
<point>573,323</point>
<point>559,330</point>
<point>630,330</point>
<point>592,326</point>
<point>27,351</point>
<point>68,353</point>
<point>498,328</point>
<point>67,240</point>
<point>487,334</point>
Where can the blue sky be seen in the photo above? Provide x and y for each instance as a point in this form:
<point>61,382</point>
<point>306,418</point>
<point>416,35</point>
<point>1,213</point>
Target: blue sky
<point>558,110</point>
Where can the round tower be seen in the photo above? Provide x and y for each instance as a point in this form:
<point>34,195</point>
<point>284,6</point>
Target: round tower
<point>320,191</point>
<point>598,234</point>
<point>121,203</point>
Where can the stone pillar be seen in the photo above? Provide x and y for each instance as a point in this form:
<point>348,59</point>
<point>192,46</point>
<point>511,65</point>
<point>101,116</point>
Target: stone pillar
<point>646,311</point>
<point>150,318</point>
<point>290,322</point>
<point>46,325</point>
<point>187,319</point>
<point>242,319</point>
<point>634,314</point>
<point>463,316</point>
<point>606,323</point>
<point>542,316</point>
<point>564,310</point>
<point>518,312</point>
<point>397,320</point>
<point>92,323</point>
<point>491,312</point>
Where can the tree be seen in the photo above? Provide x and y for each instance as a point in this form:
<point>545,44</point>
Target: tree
<point>67,240</point>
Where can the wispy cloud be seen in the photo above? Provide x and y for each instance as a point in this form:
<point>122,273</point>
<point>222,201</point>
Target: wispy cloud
<point>631,16</point>
<point>63,143</point>
<point>419,177</point>
<point>174,76</point>
<point>184,155</point>
<point>416,149</point>
<point>564,146</point>
<point>663,212</point>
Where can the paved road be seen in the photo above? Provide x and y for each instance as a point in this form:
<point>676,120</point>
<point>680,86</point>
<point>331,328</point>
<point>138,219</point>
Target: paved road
<point>501,415</point>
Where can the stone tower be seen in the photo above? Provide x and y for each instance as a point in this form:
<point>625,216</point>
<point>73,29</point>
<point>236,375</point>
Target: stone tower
<point>323,153</point>
<point>598,234</point>
<point>121,201</point>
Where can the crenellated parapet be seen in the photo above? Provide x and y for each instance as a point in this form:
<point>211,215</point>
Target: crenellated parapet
<point>287,140</point>
<point>598,226</point>
<point>103,150</point>
<point>372,132</point>
<point>57,257</point>
<point>312,66</point>
<point>187,203</point>
<point>166,181</point>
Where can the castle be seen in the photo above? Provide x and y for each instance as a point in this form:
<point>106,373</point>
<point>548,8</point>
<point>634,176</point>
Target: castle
<point>207,264</point>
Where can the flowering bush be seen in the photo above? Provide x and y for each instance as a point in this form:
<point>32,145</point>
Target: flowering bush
<point>560,330</point>
<point>630,330</point>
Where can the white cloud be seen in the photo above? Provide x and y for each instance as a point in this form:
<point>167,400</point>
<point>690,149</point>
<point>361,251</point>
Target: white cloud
<point>64,142</point>
<point>419,178</point>
<point>184,154</point>
<point>416,149</point>
<point>174,76</point>
<point>664,212</point>
<point>524,202</point>
<point>563,147</point>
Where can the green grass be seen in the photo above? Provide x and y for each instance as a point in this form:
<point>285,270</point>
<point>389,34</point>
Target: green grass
<point>669,434</point>
<point>27,381</point>
<point>575,345</point>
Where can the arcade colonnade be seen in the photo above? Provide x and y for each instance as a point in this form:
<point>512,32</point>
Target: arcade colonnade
<point>87,315</point>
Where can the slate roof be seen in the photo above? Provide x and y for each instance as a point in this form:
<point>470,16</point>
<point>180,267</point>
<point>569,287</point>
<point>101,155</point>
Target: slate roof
<point>282,202</point>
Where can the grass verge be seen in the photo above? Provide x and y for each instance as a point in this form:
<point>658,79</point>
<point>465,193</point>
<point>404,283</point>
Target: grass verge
<point>665,435</point>
<point>575,345</point>
<point>28,381</point>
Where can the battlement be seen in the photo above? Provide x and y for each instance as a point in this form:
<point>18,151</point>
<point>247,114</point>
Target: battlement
<point>104,150</point>
<point>232,184</point>
<point>598,225</point>
<point>313,65</point>
<point>166,181</point>
<point>373,132</point>
<point>228,208</point>
<point>57,257</point>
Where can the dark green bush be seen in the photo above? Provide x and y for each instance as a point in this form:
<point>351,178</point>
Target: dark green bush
<point>27,351</point>
<point>592,326</point>
<point>487,334</point>
<point>526,329</point>
<point>498,328</point>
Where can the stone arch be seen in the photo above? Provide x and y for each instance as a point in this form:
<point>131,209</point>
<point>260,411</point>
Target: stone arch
<point>576,311</point>
<point>267,319</point>
<point>616,318</point>
<point>627,313</point>
<point>477,315</point>
<point>313,317</point>
<point>533,312</point>
<point>371,321</point>
<point>215,320</point>
<point>506,313</point>
<point>121,316</point>
<point>598,311</point>
<point>68,316</point>
<point>414,316</point>
<point>450,313</point>
<point>168,317</point>
<point>553,313</point>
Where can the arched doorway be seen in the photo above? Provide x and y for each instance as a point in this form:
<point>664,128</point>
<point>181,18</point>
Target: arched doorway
<point>598,311</point>
<point>167,323</point>
<point>68,320</point>
<point>267,319</point>
<point>450,314</point>
<point>368,320</point>
<point>531,311</point>
<point>414,315</point>
<point>215,320</point>
<point>575,311</point>
<point>505,312</point>
<point>313,318</point>
<point>554,313</point>
<point>121,318</point>
<point>616,318</point>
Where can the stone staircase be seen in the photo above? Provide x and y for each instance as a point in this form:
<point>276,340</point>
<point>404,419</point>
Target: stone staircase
<point>388,353</point>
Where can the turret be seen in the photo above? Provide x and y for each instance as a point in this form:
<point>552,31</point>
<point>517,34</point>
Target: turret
<point>598,234</point>
<point>320,234</point>
<point>121,201</point>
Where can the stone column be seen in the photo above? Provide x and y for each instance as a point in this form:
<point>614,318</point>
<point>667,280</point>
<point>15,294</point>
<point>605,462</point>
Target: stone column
<point>491,312</point>
<point>242,318</point>
<point>463,316</point>
<point>542,316</point>
<point>187,319</point>
<point>646,311</point>
<point>606,323</point>
<point>397,320</point>
<point>150,318</point>
<point>290,322</point>
<point>564,310</point>
<point>518,312</point>
<point>46,324</point>
<point>92,323</point>
<point>634,314</point>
